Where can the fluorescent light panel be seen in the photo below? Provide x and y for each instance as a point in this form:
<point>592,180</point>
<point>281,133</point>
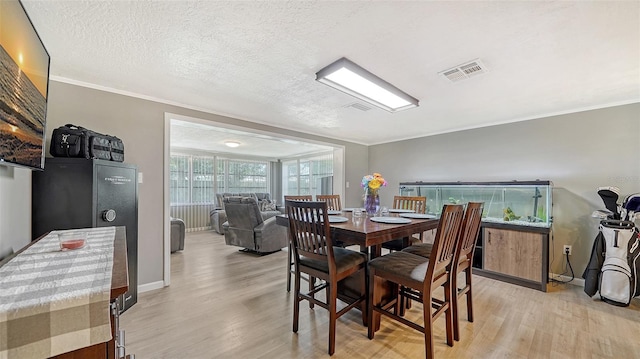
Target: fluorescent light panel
<point>348,77</point>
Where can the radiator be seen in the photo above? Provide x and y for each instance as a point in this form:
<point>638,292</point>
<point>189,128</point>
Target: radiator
<point>195,216</point>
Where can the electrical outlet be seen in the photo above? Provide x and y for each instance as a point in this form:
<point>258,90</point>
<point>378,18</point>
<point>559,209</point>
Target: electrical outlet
<point>566,249</point>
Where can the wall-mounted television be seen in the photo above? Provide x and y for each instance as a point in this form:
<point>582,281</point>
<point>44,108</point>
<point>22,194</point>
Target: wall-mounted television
<point>24,83</point>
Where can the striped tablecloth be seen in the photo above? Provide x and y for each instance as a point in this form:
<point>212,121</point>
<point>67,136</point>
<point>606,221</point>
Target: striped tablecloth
<point>52,301</point>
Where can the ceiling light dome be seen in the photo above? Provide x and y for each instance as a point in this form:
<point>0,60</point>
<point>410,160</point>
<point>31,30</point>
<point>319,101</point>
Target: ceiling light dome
<point>232,144</point>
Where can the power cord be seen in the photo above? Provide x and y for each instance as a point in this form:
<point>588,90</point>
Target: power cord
<point>567,268</point>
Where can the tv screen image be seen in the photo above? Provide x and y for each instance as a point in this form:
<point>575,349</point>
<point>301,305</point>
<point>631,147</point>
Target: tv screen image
<point>24,79</point>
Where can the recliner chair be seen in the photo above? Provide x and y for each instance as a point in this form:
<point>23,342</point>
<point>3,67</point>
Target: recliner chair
<point>245,227</point>
<point>177,234</point>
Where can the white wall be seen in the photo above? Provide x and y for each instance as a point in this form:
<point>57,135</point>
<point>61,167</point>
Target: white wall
<point>140,124</point>
<point>577,152</point>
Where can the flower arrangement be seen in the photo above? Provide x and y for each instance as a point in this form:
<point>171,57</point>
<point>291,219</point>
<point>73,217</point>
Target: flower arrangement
<point>371,183</point>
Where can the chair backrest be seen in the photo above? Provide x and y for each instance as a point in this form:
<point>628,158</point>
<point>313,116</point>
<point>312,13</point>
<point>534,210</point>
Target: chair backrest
<point>470,229</point>
<point>418,204</point>
<point>242,212</point>
<point>310,231</point>
<point>302,197</point>
<point>333,201</point>
<point>444,246</point>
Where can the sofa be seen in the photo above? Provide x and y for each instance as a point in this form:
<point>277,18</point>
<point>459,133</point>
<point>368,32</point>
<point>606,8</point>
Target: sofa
<point>218,215</point>
<point>246,228</point>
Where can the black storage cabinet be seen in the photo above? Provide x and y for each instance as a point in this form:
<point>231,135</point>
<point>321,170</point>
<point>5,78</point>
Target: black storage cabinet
<point>80,193</point>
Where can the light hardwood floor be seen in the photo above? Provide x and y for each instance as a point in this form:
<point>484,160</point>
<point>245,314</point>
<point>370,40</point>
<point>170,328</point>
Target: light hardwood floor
<point>223,303</point>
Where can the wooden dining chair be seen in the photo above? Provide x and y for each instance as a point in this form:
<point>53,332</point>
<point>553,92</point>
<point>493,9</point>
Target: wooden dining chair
<point>420,277</point>
<point>314,254</point>
<point>417,204</point>
<point>333,201</point>
<point>290,270</point>
<point>465,250</point>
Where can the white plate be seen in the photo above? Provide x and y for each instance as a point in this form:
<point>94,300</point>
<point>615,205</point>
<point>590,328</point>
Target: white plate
<point>417,215</point>
<point>398,210</point>
<point>337,219</point>
<point>333,212</point>
<point>351,209</point>
<point>392,220</point>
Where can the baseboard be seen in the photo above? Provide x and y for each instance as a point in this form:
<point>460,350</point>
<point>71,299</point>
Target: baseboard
<point>576,281</point>
<point>150,286</point>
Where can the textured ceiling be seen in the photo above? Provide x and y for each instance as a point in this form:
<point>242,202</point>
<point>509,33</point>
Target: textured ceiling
<point>188,135</point>
<point>257,60</point>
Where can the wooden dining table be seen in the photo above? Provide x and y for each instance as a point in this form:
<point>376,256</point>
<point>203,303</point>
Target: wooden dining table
<point>370,235</point>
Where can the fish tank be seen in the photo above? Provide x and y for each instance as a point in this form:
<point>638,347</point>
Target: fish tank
<point>520,203</point>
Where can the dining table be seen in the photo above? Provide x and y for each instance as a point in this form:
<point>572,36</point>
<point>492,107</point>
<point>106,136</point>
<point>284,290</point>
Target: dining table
<point>369,234</point>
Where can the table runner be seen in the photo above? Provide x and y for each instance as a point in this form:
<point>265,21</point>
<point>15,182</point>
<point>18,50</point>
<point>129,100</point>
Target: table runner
<point>52,301</point>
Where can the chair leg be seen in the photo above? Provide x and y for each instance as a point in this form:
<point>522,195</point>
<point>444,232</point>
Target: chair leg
<point>370,303</point>
<point>289,261</point>
<point>428,325</point>
<point>454,307</point>
<point>364,307</point>
<point>312,286</point>
<point>296,302</point>
<point>333,317</point>
<point>448,313</point>
<point>469,301</point>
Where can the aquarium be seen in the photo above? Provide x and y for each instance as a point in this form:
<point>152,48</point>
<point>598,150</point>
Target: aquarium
<point>522,203</point>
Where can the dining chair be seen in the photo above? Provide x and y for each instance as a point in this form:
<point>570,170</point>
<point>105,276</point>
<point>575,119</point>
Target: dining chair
<point>420,277</point>
<point>414,203</point>
<point>333,201</point>
<point>465,250</point>
<point>314,254</point>
<point>290,270</point>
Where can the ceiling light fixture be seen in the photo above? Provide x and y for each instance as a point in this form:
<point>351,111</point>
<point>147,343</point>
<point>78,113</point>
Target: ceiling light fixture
<point>232,144</point>
<point>348,77</point>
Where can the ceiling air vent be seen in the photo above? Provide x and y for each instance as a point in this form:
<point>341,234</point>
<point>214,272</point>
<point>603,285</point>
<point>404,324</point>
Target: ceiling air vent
<point>359,106</point>
<point>464,71</point>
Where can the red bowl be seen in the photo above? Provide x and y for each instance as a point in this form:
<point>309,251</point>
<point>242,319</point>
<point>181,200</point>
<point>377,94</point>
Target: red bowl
<point>72,244</point>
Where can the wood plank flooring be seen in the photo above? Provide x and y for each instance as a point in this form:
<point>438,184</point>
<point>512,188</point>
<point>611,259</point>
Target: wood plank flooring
<point>223,303</point>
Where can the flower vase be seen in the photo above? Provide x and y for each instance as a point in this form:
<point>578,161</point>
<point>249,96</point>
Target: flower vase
<point>371,203</point>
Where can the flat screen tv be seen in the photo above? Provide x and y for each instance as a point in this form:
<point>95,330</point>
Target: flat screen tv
<point>24,81</point>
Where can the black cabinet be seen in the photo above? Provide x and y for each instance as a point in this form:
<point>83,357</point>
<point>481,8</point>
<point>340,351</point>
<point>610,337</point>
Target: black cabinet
<point>80,193</point>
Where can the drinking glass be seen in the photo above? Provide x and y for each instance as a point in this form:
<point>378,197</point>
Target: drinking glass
<point>384,211</point>
<point>356,216</point>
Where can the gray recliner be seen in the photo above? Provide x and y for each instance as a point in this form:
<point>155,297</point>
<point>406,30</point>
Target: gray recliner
<point>219,216</point>
<point>245,227</point>
<point>177,234</point>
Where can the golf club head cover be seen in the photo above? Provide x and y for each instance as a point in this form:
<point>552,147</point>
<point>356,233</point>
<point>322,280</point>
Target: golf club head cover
<point>610,197</point>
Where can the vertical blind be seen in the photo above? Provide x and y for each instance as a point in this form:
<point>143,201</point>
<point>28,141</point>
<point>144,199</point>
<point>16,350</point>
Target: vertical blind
<point>304,175</point>
<point>196,179</point>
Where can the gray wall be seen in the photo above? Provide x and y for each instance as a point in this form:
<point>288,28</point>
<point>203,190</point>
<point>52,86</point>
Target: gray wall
<point>15,209</point>
<point>578,152</point>
<point>140,124</point>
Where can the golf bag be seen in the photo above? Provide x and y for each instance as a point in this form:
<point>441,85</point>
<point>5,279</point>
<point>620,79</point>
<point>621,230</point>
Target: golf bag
<point>618,244</point>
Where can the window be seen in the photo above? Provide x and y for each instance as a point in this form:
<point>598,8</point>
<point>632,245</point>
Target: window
<point>196,179</point>
<point>307,175</point>
<point>202,183</point>
<point>246,176</point>
<point>179,179</point>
